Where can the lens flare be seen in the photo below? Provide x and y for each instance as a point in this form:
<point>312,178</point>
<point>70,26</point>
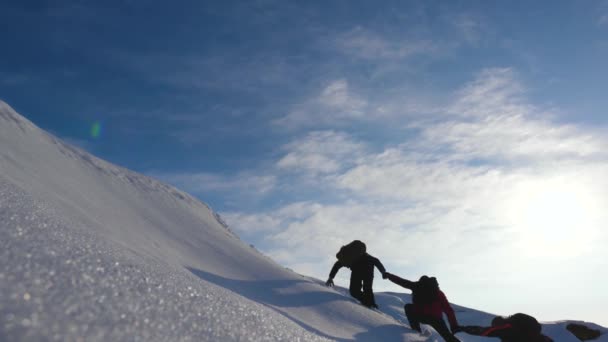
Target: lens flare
<point>96,129</point>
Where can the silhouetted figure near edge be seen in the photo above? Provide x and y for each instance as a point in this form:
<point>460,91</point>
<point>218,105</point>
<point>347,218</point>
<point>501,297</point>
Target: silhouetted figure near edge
<point>361,277</point>
<point>515,328</point>
<point>429,305</point>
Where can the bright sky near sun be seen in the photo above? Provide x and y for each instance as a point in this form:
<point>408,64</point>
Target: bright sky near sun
<point>467,141</point>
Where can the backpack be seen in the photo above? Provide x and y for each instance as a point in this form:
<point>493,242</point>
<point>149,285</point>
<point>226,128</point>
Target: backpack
<point>350,253</point>
<point>526,326</point>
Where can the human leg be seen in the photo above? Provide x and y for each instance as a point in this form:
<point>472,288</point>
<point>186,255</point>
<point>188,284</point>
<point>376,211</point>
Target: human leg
<point>441,328</point>
<point>368,293</point>
<point>355,286</point>
<point>412,317</point>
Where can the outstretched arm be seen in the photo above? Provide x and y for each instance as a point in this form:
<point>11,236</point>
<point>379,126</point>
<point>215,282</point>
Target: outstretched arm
<point>447,308</point>
<point>473,330</point>
<point>400,281</point>
<point>380,267</point>
<point>335,269</point>
<point>502,331</point>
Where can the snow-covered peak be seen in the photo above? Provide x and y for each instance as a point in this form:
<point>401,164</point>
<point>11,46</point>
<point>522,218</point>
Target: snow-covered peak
<point>81,236</point>
<point>93,251</point>
<point>9,116</point>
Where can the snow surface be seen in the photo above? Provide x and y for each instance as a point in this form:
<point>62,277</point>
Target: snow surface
<point>94,252</point>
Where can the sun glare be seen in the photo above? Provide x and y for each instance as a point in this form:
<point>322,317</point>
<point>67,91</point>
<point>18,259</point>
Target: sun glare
<point>555,218</point>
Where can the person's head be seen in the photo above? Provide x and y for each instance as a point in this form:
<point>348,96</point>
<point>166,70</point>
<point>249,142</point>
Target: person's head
<point>429,281</point>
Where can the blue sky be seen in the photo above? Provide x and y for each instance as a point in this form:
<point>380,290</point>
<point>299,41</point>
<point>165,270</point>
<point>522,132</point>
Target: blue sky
<point>461,139</point>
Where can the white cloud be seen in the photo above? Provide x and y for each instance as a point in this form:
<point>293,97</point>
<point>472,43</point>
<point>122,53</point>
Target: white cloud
<point>337,96</point>
<point>315,237</point>
<point>393,175</point>
<point>402,236</point>
<point>488,122</point>
<point>270,222</point>
<point>252,224</point>
<point>491,181</point>
<point>493,121</point>
<point>335,105</point>
<point>469,26</point>
<point>363,43</point>
<point>321,152</point>
<point>493,91</point>
<point>206,182</point>
<point>514,137</point>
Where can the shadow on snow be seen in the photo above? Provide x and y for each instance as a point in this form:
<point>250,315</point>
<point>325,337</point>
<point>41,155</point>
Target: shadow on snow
<point>272,293</point>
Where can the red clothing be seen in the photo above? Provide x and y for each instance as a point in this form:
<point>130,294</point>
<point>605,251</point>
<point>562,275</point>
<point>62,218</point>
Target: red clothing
<point>435,309</point>
<point>506,333</point>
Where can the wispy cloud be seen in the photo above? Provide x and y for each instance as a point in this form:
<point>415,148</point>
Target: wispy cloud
<point>366,44</point>
<point>469,26</point>
<point>321,152</point>
<point>488,131</point>
<point>489,93</point>
<point>512,138</point>
<point>201,183</point>
<point>397,175</point>
<point>337,96</point>
<point>496,123</point>
<point>271,222</point>
<point>469,183</point>
<point>336,104</point>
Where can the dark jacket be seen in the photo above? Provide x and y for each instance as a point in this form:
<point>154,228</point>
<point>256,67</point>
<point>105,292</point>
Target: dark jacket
<point>364,267</point>
<point>434,308</point>
<point>505,332</point>
<point>510,331</point>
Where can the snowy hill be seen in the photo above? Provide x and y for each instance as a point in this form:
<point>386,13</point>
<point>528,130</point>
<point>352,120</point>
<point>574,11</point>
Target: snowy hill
<point>94,252</point>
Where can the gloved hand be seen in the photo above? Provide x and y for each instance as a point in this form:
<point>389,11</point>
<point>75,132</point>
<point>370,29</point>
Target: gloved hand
<point>329,282</point>
<point>384,275</point>
<point>456,329</point>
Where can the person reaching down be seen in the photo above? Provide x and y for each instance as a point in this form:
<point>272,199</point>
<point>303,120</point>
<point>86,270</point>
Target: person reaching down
<point>361,264</point>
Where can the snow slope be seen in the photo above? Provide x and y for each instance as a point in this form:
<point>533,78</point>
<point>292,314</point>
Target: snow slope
<point>93,252</point>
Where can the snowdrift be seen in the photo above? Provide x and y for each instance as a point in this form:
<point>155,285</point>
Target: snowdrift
<point>94,252</point>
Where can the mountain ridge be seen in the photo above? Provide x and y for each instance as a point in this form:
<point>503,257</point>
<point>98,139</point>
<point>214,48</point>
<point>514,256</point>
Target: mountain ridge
<point>93,250</point>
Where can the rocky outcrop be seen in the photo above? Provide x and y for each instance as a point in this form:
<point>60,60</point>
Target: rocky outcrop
<point>583,332</point>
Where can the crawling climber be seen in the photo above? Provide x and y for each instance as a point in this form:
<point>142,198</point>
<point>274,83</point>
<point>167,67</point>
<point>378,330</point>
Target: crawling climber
<point>429,305</point>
